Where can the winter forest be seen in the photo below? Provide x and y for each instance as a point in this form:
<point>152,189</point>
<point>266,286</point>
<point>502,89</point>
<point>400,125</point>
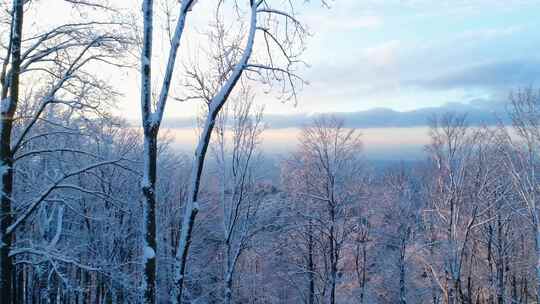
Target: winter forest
<point>97,208</point>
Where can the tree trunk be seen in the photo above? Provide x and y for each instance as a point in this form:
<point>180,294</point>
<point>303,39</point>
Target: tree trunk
<point>402,287</point>
<point>150,159</point>
<point>311,266</point>
<point>192,206</point>
<point>149,217</point>
<point>364,271</point>
<point>537,251</point>
<point>228,288</point>
<point>228,274</point>
<point>7,112</point>
<point>333,257</point>
<point>501,292</point>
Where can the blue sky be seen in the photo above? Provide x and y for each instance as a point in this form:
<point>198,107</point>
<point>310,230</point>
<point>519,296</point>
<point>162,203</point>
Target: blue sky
<point>384,65</point>
<point>372,59</point>
<point>407,55</point>
<point>400,54</point>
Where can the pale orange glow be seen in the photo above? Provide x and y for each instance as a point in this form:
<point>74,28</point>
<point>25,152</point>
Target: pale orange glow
<point>394,143</point>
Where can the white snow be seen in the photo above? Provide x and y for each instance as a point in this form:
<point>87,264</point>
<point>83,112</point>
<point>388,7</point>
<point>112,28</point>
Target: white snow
<point>146,60</point>
<point>190,8</point>
<point>148,253</point>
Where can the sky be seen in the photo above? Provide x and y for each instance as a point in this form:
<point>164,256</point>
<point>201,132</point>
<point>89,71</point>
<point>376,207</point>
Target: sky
<point>405,55</point>
<point>383,65</point>
<point>387,65</point>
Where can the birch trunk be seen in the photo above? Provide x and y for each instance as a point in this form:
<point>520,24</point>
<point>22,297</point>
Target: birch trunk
<point>150,154</point>
<point>149,211</point>
<point>192,206</point>
<point>151,122</point>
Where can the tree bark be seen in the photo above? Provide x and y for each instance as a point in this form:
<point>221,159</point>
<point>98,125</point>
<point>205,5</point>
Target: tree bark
<point>149,210</point>
<point>7,112</point>
<point>311,265</point>
<point>333,257</point>
<point>537,251</point>
<point>402,287</point>
<point>192,206</point>
<point>150,159</point>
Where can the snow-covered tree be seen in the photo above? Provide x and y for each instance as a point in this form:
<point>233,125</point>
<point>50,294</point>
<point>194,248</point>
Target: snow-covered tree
<point>51,66</point>
<point>236,151</point>
<point>331,184</point>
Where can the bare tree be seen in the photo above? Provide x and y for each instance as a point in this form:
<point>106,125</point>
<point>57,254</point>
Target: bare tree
<point>403,221</point>
<point>230,60</point>
<point>49,249</point>
<point>522,165</point>
<point>236,160</point>
<point>302,228</point>
<point>332,153</point>
<point>457,201</point>
<point>61,56</point>
<point>151,121</point>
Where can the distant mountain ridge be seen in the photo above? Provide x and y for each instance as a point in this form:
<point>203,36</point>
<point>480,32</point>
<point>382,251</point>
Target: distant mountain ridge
<point>477,113</point>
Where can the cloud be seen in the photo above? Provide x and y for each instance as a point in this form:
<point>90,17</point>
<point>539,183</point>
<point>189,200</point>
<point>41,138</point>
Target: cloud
<point>343,16</point>
<point>358,23</point>
<point>450,6</point>
<point>498,74</point>
<point>383,55</point>
<point>490,33</point>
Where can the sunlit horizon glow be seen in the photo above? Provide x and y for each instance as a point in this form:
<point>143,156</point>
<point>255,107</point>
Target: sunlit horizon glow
<point>378,143</point>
